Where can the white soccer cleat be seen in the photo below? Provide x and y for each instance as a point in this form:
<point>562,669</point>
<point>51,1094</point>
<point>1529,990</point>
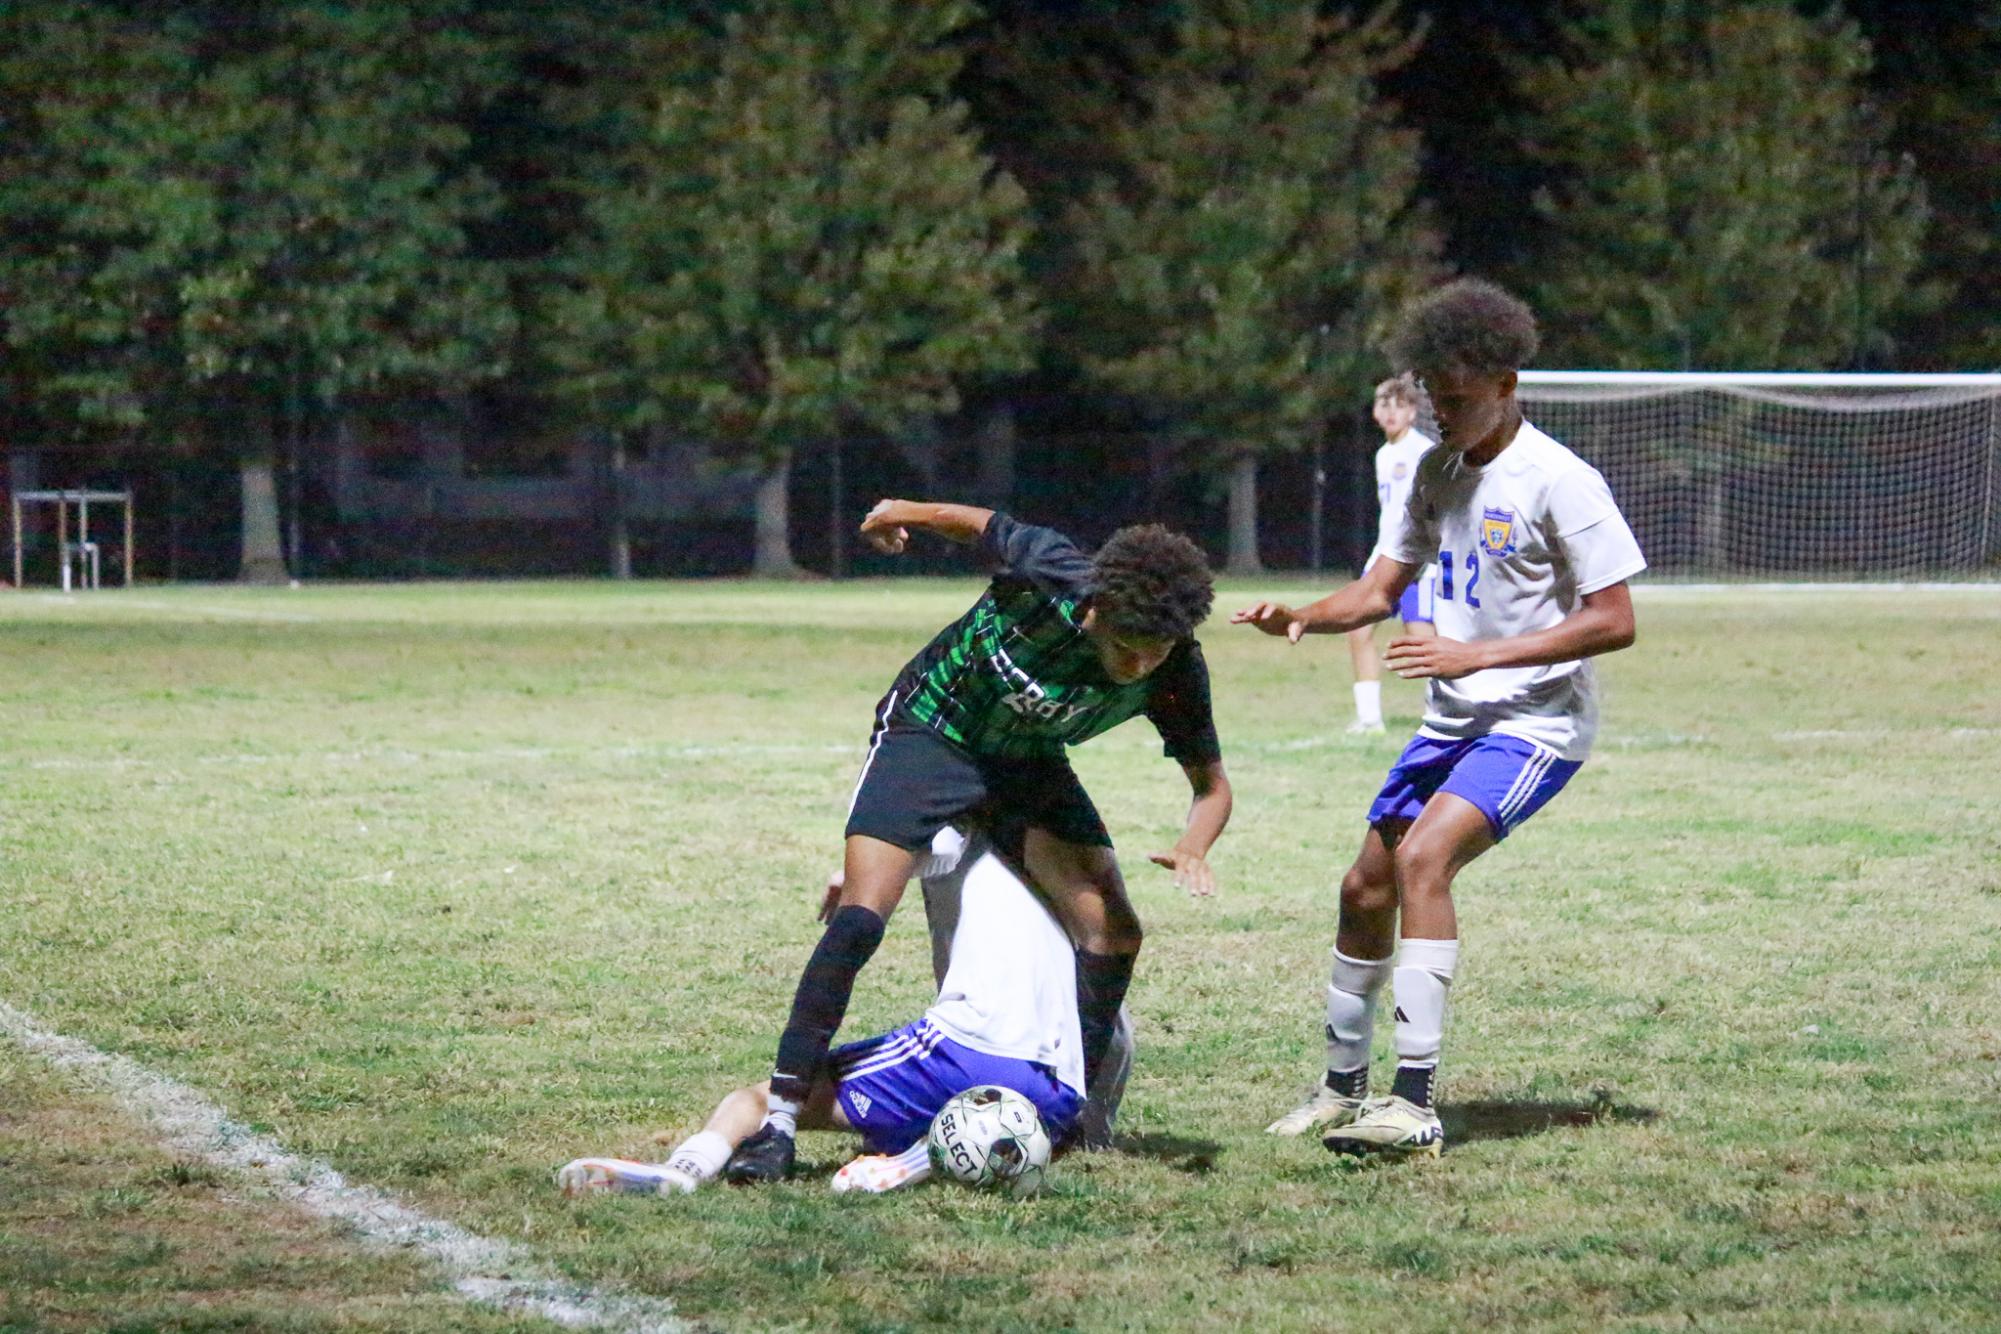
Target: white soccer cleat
<point>623,1176</point>
<point>1324,1109</point>
<point>1362,727</point>
<point>1392,1127</point>
<point>879,1172</point>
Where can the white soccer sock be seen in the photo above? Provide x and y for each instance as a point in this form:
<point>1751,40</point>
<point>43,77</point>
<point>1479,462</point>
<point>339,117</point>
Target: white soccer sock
<point>876,1173</point>
<point>1423,976</point>
<point>916,1160</point>
<point>1351,1010</point>
<point>783,1115</point>
<point>700,1156</point>
<point>1369,702</point>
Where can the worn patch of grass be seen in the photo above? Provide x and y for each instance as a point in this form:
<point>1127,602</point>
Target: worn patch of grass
<point>451,883</point>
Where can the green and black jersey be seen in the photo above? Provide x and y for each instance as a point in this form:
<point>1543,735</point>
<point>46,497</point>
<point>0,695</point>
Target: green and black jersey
<point>1016,677</point>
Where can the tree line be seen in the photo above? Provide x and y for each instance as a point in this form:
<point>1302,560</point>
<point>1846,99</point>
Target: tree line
<point>767,224</point>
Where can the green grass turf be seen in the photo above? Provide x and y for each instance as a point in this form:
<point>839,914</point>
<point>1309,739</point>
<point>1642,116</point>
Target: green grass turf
<point>450,883</point>
<point>101,1232</point>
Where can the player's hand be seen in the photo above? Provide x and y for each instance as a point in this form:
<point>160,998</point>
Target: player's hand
<point>1191,872</point>
<point>1274,618</point>
<point>887,537</point>
<point>831,899</point>
<point>1446,659</point>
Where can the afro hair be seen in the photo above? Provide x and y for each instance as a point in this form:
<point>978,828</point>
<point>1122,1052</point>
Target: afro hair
<point>1152,583</point>
<point>1465,327</point>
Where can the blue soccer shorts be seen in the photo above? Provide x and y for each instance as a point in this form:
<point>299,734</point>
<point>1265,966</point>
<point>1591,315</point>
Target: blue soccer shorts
<point>1508,778</point>
<point>1414,607</point>
<point>890,1087</point>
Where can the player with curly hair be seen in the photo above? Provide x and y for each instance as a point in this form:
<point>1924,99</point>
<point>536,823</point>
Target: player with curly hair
<point>1533,558</point>
<point>1059,648</point>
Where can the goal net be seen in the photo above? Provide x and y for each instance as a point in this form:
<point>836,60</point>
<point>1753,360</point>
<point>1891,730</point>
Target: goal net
<point>1799,476</point>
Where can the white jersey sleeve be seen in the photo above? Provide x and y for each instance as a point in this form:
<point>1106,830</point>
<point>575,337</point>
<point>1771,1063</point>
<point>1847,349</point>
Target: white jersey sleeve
<point>1601,549</point>
<point>1396,474</point>
<point>1383,507</point>
<point>1410,532</point>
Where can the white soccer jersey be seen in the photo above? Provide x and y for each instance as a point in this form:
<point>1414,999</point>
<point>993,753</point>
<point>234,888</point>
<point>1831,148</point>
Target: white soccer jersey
<point>1518,544</point>
<point>1396,468</point>
<point>1011,989</point>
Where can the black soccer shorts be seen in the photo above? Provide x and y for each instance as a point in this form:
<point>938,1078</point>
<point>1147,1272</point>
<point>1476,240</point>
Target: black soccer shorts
<point>915,782</point>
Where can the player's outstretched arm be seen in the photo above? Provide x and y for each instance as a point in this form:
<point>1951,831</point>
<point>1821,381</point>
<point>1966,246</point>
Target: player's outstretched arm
<point>1602,624</point>
<point>1364,602</point>
<point>887,527</point>
<point>1207,814</point>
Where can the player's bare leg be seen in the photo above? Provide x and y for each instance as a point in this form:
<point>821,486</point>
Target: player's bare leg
<point>1362,949</point>
<point>1448,834</point>
<point>874,875</point>
<point>1087,892</point>
<point>1368,665</point>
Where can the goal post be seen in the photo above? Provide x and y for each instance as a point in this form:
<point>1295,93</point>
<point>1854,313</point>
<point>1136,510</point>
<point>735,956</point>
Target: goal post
<point>1791,475</point>
<point>78,559</point>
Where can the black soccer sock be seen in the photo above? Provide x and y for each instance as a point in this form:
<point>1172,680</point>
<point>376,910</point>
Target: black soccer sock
<point>1102,980</point>
<point>1349,1083</point>
<point>1414,1084</point>
<point>821,1002</point>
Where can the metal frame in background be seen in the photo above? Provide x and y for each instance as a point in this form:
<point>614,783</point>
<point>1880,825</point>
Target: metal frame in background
<point>62,500</point>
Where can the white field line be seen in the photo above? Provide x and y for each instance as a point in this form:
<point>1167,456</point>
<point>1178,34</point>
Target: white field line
<point>730,750</point>
<point>481,1269</point>
<point>192,610</point>
<point>1886,733</point>
<point>401,755</point>
<point>1987,589</point>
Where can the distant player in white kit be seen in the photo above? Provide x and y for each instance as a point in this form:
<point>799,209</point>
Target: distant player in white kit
<point>1395,411</point>
<point>1006,1014</point>
<point>1533,558</point>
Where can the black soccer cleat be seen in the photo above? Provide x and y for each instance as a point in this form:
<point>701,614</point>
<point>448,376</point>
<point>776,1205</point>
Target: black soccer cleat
<point>765,1156</point>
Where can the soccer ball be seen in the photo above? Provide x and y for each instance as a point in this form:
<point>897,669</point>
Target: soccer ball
<point>991,1138</point>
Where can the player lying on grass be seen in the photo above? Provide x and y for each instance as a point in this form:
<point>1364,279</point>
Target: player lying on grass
<point>1058,649</point>
<point>1533,558</point>
<point>1006,1014</point>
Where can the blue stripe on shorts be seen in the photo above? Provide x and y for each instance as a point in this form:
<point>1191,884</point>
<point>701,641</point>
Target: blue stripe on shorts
<point>1508,778</point>
<point>890,1087</point>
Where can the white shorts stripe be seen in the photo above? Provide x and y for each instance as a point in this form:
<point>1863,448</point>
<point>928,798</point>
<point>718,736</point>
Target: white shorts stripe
<point>1525,784</point>
<point>884,1060</point>
<point>905,1048</point>
<point>1543,764</point>
<point>883,1053</point>
<point>875,744</point>
<point>1501,809</point>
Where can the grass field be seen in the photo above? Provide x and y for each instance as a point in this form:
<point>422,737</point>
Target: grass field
<point>449,884</point>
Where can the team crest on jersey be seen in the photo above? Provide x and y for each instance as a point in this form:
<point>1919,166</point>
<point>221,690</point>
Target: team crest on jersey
<point>1400,471</point>
<point>1497,532</point>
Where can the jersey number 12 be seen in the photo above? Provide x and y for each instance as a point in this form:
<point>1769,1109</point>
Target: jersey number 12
<point>1445,571</point>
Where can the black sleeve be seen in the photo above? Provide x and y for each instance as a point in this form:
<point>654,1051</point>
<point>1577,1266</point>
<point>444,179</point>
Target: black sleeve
<point>1040,556</point>
<point>1178,707</point>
